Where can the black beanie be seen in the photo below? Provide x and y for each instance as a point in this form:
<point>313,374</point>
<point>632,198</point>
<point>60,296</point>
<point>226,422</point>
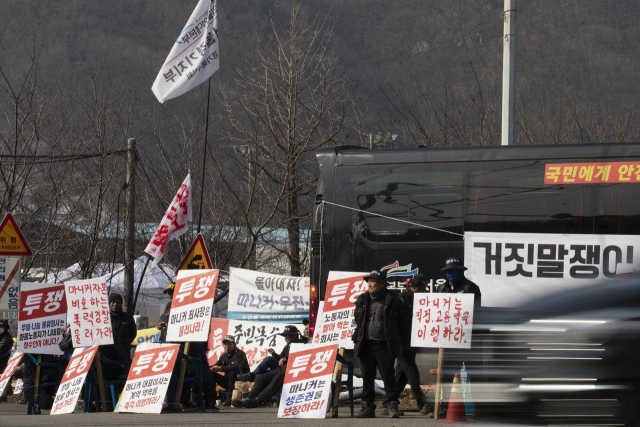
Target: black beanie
<point>113,296</point>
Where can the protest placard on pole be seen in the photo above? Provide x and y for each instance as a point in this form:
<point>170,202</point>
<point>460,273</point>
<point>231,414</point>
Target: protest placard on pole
<point>254,338</point>
<point>191,306</point>
<point>307,381</point>
<point>258,296</point>
<point>72,380</point>
<point>88,312</point>
<point>335,321</point>
<point>42,318</point>
<point>442,321</point>
<point>148,379</point>
<point>11,367</point>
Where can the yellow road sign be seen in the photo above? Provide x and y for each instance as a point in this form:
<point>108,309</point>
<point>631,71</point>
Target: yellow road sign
<point>12,242</point>
<point>197,257</point>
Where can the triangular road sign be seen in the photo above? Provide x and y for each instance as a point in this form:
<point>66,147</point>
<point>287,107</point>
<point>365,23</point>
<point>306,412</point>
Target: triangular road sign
<point>12,242</point>
<point>197,257</point>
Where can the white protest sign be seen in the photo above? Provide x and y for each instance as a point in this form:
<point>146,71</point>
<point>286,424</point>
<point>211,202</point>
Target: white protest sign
<point>148,379</point>
<point>72,380</point>
<point>88,312</point>
<point>42,318</point>
<point>513,268</point>
<point>258,296</point>
<point>191,306</point>
<point>10,278</point>
<point>13,364</point>
<point>307,381</point>
<point>442,320</point>
<point>254,338</point>
<point>335,322</point>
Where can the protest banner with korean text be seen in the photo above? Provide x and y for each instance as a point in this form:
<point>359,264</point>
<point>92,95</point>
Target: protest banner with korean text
<point>10,279</point>
<point>42,318</point>
<point>264,297</point>
<point>148,379</point>
<point>442,320</point>
<point>513,268</point>
<point>150,335</point>
<point>73,380</point>
<point>254,338</point>
<point>307,381</point>
<point>191,306</point>
<point>12,365</point>
<point>335,321</point>
<point>88,312</point>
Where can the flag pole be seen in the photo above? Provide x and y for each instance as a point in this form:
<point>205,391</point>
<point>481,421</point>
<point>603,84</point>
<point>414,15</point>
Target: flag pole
<point>144,270</point>
<point>204,159</point>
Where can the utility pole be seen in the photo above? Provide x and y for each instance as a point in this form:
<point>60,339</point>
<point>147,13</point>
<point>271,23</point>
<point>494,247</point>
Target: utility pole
<point>129,229</point>
<point>508,71</point>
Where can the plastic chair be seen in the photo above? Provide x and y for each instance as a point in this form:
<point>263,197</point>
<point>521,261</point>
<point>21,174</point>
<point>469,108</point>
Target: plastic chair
<point>348,382</point>
<point>111,386</point>
<point>31,361</point>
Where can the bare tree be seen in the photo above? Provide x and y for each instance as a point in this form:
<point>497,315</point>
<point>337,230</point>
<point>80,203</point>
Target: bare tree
<point>291,100</point>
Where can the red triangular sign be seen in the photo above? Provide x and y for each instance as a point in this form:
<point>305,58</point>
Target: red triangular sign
<point>12,242</point>
<point>197,257</point>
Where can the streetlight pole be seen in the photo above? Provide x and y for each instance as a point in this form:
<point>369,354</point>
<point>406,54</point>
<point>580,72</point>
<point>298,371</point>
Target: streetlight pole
<point>508,71</point>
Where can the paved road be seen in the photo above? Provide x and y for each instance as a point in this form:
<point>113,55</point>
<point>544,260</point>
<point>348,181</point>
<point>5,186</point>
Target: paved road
<point>15,415</point>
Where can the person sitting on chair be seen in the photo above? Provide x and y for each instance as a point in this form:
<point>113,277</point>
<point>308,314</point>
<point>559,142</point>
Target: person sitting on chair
<point>267,384</point>
<point>232,363</point>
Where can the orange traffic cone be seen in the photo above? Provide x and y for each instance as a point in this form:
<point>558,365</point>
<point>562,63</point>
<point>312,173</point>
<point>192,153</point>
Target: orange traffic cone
<point>455,411</point>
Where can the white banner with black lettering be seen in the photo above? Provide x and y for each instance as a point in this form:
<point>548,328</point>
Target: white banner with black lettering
<point>512,268</point>
<point>264,297</point>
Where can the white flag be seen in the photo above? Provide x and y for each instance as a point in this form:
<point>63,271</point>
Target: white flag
<point>173,224</point>
<point>194,57</point>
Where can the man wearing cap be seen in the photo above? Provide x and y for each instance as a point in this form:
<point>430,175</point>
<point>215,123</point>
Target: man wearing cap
<point>232,363</point>
<point>267,384</point>
<point>457,283</point>
<point>406,369</point>
<point>124,331</point>
<point>379,320</point>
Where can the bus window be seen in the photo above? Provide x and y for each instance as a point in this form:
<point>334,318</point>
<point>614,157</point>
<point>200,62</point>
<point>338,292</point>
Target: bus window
<point>513,198</point>
<point>617,209</point>
<point>390,206</point>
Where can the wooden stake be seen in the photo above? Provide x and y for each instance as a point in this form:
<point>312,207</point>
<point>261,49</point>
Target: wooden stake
<point>103,397</point>
<point>183,371</point>
<point>337,378</point>
<point>438,384</point>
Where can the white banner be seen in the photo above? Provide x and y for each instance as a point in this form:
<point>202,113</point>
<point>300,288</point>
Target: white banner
<point>194,56</point>
<point>42,318</point>
<point>148,379</point>
<point>9,286</point>
<point>191,306</point>
<point>12,365</point>
<point>267,297</point>
<point>174,223</point>
<point>335,322</point>
<point>72,380</point>
<point>254,338</point>
<point>442,320</point>
<point>88,312</point>
<point>512,268</point>
<point>307,382</point>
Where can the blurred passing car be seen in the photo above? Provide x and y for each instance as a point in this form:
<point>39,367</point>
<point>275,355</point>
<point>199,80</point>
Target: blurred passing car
<point>573,357</point>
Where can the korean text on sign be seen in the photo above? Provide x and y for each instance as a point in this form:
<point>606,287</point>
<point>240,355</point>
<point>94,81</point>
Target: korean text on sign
<point>88,312</point>
<point>190,315</point>
<point>254,338</point>
<point>6,375</point>
<point>307,381</point>
<point>42,318</point>
<point>72,380</point>
<point>592,173</point>
<point>335,322</point>
<point>442,320</point>
<point>148,378</point>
